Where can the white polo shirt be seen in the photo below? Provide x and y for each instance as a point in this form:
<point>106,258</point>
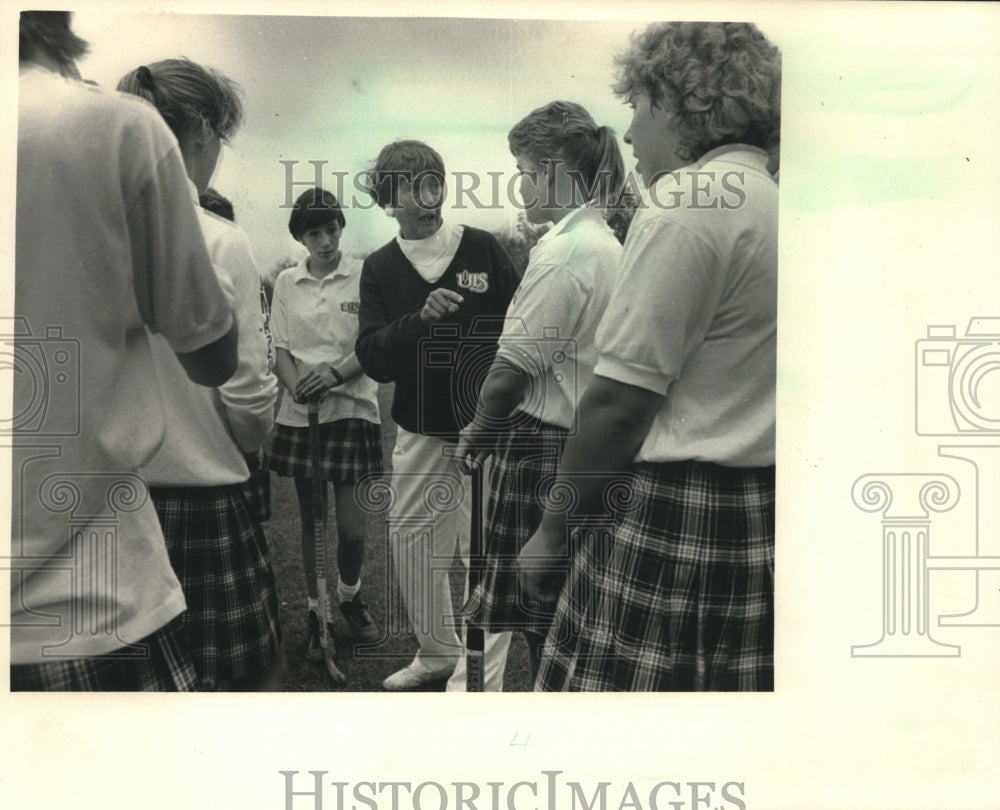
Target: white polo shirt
<point>316,321</point>
<point>107,244</point>
<point>209,429</point>
<point>553,316</point>
<point>694,312</point>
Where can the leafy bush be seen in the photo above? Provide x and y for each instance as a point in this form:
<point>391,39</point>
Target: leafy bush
<point>519,239</point>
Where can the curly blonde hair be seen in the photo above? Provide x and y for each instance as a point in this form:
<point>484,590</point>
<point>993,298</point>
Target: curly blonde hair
<point>720,81</point>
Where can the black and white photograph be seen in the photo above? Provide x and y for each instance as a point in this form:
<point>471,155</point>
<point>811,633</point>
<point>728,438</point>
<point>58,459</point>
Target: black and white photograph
<point>396,380</point>
<point>517,333</point>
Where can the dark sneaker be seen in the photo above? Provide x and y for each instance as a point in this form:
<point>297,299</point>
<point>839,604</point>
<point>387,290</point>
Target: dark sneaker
<point>362,625</point>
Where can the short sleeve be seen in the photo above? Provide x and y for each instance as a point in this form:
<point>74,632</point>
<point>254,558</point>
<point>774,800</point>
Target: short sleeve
<point>664,301</point>
<point>177,290</point>
<point>250,392</point>
<point>541,318</point>
<point>279,312</point>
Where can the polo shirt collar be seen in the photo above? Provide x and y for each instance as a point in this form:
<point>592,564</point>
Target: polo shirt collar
<point>302,271</point>
<point>744,154</point>
<point>577,214</point>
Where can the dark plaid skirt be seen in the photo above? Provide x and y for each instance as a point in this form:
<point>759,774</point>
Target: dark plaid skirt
<point>681,597</point>
<point>219,554</point>
<point>257,490</point>
<point>526,462</point>
<point>165,666</point>
<point>349,449</point>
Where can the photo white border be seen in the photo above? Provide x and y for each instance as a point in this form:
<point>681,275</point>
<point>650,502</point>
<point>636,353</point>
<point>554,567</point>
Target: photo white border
<point>869,257</point>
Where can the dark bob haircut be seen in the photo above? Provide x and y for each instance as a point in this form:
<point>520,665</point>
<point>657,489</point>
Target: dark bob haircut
<point>314,208</point>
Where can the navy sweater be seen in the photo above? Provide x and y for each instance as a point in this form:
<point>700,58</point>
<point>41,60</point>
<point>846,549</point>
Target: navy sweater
<point>438,368</point>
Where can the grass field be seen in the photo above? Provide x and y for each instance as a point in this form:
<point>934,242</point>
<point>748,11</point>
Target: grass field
<point>365,667</point>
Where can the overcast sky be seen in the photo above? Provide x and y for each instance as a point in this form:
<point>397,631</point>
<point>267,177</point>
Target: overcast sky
<point>867,101</point>
<point>337,89</point>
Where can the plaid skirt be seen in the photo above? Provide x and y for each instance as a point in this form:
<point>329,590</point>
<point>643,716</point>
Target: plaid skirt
<point>681,597</point>
<point>349,449</point>
<point>257,490</point>
<point>219,554</point>
<point>166,666</point>
<point>525,463</point>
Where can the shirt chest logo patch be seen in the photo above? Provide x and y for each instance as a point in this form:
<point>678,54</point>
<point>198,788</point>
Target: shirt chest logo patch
<point>352,307</point>
<point>473,282</point>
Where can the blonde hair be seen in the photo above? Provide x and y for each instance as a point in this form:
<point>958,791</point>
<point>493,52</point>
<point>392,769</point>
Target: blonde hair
<point>564,130</point>
<point>404,161</point>
<point>191,98</point>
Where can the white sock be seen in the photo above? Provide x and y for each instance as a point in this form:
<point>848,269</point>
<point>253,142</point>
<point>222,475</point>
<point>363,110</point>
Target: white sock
<point>345,593</point>
<point>313,605</point>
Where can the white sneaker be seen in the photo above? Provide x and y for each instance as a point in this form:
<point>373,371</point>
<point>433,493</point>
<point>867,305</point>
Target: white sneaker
<point>413,675</point>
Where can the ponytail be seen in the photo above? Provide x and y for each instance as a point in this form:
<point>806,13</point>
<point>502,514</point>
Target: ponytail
<point>563,130</point>
<point>193,100</point>
<point>140,82</point>
<point>609,168</point>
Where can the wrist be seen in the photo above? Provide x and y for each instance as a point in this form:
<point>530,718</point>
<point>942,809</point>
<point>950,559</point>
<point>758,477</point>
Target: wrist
<point>476,428</point>
<point>338,378</point>
<point>553,529</point>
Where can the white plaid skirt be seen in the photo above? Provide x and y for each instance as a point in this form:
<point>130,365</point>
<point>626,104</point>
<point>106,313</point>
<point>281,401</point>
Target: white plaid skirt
<point>218,551</point>
<point>679,595</point>
<point>525,464</point>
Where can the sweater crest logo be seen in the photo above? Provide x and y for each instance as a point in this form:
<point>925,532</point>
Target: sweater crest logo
<point>473,282</point>
<point>353,307</point>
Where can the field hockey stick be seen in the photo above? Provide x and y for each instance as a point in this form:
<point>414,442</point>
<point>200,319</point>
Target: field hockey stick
<point>475,637</point>
<point>319,543</point>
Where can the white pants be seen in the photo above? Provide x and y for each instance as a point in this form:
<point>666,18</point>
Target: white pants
<point>429,519</point>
